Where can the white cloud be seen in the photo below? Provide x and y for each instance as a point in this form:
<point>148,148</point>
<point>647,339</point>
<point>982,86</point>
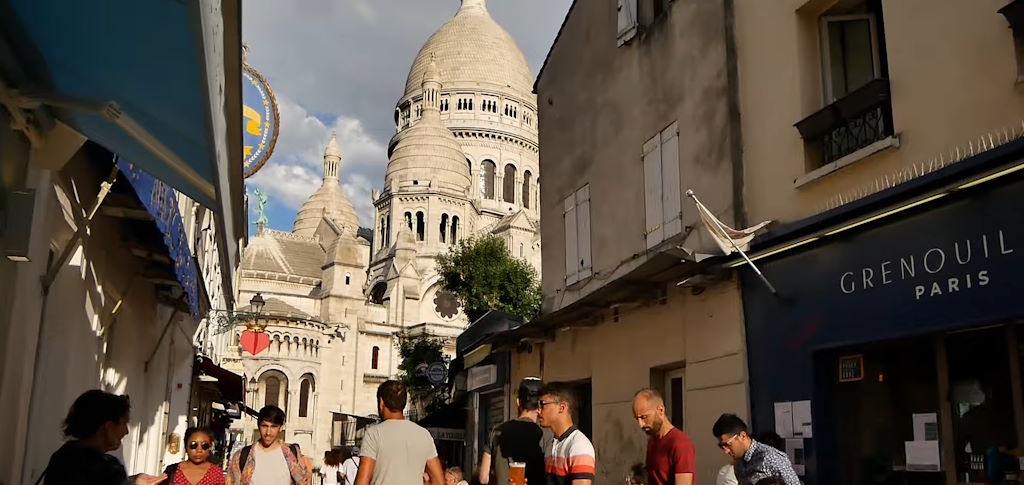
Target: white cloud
<point>296,168</point>
<point>365,10</point>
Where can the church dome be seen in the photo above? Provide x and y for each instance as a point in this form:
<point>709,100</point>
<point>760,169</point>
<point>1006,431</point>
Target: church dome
<point>428,151</point>
<point>328,200</point>
<point>472,48</point>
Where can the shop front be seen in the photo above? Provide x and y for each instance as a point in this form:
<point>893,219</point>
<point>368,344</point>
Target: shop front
<point>891,353</point>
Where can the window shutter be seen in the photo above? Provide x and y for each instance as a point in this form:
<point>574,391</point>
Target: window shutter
<point>671,202</point>
<point>571,249</point>
<point>627,20</point>
<point>583,227</point>
<point>652,192</point>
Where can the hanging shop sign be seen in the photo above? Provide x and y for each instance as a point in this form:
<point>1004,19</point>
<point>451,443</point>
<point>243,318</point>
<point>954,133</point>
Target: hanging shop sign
<point>260,120</point>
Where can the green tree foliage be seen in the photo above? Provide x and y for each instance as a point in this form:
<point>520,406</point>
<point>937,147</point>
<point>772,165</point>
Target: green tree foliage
<point>484,276</point>
<point>417,352</point>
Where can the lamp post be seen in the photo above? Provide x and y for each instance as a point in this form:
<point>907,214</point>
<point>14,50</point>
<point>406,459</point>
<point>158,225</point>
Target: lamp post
<point>223,320</point>
<point>256,303</point>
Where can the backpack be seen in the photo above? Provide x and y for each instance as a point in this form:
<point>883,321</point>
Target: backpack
<point>170,471</point>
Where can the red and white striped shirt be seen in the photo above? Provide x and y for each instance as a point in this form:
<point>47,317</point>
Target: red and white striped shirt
<point>571,457</point>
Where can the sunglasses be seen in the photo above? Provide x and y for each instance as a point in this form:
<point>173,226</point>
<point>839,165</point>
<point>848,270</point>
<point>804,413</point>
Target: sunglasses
<point>205,444</point>
<point>545,403</point>
<point>727,443</point>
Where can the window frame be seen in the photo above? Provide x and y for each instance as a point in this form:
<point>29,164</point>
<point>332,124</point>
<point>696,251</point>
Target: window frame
<point>828,96</point>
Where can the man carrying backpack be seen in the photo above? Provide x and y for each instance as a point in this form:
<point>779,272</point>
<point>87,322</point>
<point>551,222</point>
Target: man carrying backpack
<point>269,461</point>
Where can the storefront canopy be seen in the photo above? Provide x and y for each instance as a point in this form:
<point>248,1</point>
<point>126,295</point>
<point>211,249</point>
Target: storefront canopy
<point>231,385</point>
<point>158,83</point>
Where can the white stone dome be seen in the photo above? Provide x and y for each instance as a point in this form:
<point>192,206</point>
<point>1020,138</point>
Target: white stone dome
<point>472,48</point>
<point>328,200</point>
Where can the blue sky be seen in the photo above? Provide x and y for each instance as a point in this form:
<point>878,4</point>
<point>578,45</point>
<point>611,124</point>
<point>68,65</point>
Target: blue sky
<point>341,65</point>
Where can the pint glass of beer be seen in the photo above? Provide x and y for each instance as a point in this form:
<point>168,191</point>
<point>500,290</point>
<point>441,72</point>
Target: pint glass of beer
<point>517,473</point>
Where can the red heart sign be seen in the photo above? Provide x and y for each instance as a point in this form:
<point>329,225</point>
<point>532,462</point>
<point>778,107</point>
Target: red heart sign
<point>255,342</point>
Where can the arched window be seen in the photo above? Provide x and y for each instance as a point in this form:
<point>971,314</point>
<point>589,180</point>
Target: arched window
<point>408,220</point>
<point>306,387</point>
<point>455,229</point>
<point>382,236</point>
<point>421,227</point>
<point>508,189</point>
<point>387,231</point>
<point>375,357</point>
<point>377,293</point>
<point>444,228</point>
<point>521,253</point>
<point>527,176</point>
<point>487,179</point>
<point>348,279</point>
<point>273,389</point>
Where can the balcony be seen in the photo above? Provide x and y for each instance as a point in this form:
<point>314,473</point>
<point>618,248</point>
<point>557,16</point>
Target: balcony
<point>859,119</point>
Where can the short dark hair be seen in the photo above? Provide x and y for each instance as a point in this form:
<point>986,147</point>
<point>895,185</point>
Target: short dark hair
<point>393,394</point>
<point>92,410</point>
<point>562,390</point>
<point>728,424</point>
<point>529,393</point>
<point>201,429</point>
<point>271,414</point>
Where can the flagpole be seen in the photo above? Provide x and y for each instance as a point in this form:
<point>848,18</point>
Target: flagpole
<point>690,194</point>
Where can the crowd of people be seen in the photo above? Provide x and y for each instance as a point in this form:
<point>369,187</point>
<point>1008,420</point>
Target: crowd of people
<point>398,451</point>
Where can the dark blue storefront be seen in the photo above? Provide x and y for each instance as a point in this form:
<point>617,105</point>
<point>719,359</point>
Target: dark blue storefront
<point>890,298</point>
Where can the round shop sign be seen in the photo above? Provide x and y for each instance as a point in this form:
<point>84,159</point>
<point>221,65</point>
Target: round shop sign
<point>437,373</point>
<point>260,120</point>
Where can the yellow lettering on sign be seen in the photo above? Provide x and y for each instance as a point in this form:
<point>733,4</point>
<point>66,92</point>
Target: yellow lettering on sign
<point>252,125</point>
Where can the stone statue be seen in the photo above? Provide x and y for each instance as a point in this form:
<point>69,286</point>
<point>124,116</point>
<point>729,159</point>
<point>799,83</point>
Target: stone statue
<point>261,204</point>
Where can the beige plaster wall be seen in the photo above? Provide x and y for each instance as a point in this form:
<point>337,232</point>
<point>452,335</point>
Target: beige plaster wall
<point>952,72</point>
<point>599,103</point>
<point>704,333</point>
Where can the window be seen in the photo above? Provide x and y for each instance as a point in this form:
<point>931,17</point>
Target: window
<point>850,45</point>
<point>662,186</point>
<point>305,389</point>
<point>626,20</point>
<point>443,233</point>
<point>577,236</point>
<point>273,390</point>
<point>408,220</point>
<point>375,357</point>
<point>455,229</point>
<point>526,188</point>
<point>487,179</point>
<point>348,279</point>
<point>421,227</point>
<point>508,189</point>
<point>378,292</point>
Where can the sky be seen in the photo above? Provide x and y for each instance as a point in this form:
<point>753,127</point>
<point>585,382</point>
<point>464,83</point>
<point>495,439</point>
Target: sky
<point>341,65</point>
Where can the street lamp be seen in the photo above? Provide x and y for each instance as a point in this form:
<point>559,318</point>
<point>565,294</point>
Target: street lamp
<point>223,320</point>
<point>257,303</point>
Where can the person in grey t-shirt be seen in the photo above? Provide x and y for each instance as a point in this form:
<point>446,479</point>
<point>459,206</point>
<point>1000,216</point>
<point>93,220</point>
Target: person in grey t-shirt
<point>397,451</point>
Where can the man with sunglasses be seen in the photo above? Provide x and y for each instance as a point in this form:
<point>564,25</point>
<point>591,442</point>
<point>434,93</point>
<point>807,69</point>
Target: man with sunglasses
<point>571,459</point>
<point>754,461</point>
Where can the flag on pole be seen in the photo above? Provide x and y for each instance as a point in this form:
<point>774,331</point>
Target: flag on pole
<point>728,239</point>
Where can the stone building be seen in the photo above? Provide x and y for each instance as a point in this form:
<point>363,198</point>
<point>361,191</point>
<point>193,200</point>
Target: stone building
<point>463,162</point>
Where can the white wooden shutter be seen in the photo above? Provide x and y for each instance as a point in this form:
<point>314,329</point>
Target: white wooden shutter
<point>572,263</point>
<point>652,192</point>
<point>627,20</point>
<point>583,229</point>
<point>670,183</point>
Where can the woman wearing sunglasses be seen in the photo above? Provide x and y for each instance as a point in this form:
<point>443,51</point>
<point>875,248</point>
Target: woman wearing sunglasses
<point>197,469</point>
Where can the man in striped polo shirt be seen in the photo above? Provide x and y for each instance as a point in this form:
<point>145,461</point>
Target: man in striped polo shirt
<point>571,459</point>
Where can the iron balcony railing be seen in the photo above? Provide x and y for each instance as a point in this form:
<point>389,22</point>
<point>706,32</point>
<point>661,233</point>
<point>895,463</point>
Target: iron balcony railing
<point>862,117</point>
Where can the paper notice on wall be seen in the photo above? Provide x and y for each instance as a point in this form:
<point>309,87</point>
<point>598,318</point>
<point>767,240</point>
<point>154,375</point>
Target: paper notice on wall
<point>784,419</point>
<point>795,451</point>
<point>922,456</point>
<point>802,419</point>
<point>926,427</point>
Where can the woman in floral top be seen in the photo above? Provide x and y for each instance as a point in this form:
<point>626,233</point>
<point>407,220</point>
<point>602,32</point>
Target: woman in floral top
<point>197,469</point>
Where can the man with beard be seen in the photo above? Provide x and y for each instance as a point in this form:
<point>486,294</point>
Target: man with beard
<point>397,451</point>
<point>670,455</point>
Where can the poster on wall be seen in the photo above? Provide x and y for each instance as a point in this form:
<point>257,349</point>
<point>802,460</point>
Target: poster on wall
<point>795,451</point>
<point>784,419</point>
<point>802,419</point>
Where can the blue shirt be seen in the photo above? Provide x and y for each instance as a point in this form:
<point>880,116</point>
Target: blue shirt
<point>762,461</point>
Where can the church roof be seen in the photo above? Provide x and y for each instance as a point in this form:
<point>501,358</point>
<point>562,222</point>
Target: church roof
<point>472,48</point>
<point>278,308</point>
<point>284,253</point>
<point>328,200</point>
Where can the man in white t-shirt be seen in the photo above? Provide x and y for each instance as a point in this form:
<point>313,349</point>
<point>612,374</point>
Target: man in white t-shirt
<point>351,467</point>
<point>270,461</point>
<point>397,451</point>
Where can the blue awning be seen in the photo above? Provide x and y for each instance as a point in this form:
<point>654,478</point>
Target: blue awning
<point>157,82</point>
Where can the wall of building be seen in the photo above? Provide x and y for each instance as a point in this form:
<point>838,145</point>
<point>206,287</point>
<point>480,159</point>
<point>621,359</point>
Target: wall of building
<point>701,334</point>
<point>600,103</point>
<point>953,80</point>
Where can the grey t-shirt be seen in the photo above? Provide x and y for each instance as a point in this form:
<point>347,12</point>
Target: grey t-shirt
<point>401,449</point>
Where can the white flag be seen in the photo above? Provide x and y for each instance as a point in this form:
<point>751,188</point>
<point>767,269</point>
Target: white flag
<point>728,239</point>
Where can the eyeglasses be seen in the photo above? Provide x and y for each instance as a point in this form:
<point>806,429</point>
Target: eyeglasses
<point>727,443</point>
<point>545,403</point>
<point>205,444</point>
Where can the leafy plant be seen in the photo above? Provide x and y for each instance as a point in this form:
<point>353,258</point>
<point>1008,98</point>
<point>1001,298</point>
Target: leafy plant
<point>416,352</point>
<point>484,276</point>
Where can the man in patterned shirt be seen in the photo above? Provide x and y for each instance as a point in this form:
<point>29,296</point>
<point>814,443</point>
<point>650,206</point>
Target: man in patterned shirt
<point>571,459</point>
<point>754,461</point>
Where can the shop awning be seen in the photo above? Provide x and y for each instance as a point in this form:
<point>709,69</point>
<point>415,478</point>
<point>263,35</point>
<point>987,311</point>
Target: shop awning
<point>158,82</point>
<point>231,385</point>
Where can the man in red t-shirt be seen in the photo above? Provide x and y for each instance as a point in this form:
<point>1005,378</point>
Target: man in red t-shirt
<point>671,459</point>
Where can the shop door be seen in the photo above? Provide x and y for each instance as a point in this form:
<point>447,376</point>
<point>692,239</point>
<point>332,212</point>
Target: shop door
<point>982,405</point>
